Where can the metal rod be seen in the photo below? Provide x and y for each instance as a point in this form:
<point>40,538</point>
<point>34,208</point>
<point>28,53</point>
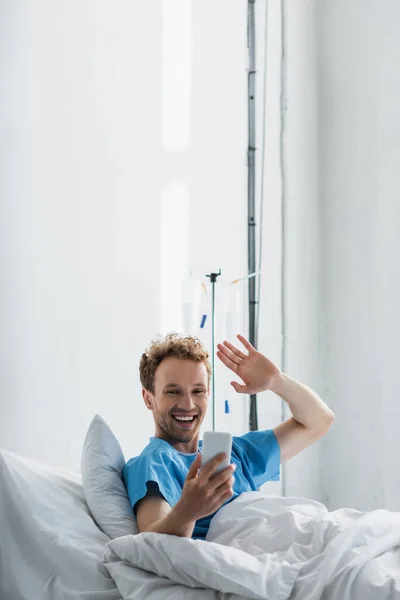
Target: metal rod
<point>213,279</point>
<point>251,192</point>
<point>213,354</point>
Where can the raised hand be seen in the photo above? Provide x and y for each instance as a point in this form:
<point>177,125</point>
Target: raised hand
<point>256,371</point>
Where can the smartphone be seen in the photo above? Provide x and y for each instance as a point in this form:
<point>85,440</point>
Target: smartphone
<point>215,442</point>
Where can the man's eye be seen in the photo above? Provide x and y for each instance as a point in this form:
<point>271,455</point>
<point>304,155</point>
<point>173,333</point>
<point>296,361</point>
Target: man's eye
<point>172,392</point>
<point>199,391</point>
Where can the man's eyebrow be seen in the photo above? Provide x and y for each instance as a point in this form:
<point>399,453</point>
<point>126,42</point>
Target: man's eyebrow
<point>173,385</point>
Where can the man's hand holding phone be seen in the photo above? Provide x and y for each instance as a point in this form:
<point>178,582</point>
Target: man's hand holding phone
<point>205,489</point>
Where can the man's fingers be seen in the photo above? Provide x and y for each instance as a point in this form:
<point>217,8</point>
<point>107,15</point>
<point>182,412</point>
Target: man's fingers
<point>246,344</point>
<point>234,350</point>
<point>224,478</point>
<point>192,474</point>
<point>226,496</point>
<point>233,357</point>
<point>210,467</point>
<point>227,361</point>
<point>240,389</point>
<point>223,489</point>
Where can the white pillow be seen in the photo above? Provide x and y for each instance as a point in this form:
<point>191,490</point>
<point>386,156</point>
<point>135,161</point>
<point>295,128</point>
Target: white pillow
<point>105,493</point>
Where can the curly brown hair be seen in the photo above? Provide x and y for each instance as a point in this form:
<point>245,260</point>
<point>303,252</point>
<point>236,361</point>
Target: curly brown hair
<point>187,348</point>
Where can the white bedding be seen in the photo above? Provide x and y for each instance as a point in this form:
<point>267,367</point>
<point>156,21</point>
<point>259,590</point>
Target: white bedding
<point>50,547</point>
<point>266,548</point>
<point>257,547</point>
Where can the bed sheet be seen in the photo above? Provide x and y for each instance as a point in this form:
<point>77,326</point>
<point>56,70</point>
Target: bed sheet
<point>50,547</point>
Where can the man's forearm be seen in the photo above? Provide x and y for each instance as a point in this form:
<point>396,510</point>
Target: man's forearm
<point>172,525</point>
<point>306,406</point>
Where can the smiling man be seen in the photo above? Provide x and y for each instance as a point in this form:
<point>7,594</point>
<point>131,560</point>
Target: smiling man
<point>167,491</point>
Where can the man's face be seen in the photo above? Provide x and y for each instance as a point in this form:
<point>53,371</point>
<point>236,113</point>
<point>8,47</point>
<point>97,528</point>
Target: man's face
<point>180,399</point>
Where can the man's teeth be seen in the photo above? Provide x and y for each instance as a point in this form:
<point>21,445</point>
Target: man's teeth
<point>184,418</point>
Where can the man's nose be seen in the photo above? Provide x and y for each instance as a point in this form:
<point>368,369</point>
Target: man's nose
<point>187,401</point>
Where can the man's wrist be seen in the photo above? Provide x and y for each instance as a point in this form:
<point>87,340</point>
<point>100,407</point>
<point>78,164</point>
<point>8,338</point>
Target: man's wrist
<point>180,521</point>
<point>280,384</point>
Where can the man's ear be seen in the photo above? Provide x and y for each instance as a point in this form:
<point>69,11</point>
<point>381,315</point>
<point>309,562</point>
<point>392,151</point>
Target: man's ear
<point>148,399</point>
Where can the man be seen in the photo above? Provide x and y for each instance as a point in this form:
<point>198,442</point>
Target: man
<point>167,490</point>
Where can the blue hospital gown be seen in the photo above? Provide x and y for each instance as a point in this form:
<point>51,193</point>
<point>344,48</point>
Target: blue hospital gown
<point>255,454</point>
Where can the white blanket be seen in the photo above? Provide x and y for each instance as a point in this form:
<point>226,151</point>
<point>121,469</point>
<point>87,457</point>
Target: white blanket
<point>266,548</point>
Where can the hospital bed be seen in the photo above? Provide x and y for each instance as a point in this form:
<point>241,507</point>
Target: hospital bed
<point>54,543</point>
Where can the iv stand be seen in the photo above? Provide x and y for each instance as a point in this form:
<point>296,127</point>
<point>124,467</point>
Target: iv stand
<point>213,279</point>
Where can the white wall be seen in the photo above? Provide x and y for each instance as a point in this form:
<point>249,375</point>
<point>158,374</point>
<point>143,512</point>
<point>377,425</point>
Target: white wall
<point>341,151</point>
<point>82,172</point>
<point>359,136</point>
<point>340,157</point>
<point>301,226</point>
